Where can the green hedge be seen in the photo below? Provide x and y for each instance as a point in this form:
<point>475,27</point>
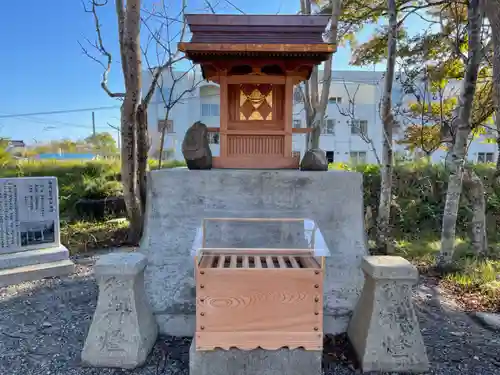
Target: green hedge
<point>419,192</point>
<point>78,179</point>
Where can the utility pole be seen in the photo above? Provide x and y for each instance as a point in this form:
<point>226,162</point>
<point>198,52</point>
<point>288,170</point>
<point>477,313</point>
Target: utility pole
<point>117,128</point>
<point>93,123</point>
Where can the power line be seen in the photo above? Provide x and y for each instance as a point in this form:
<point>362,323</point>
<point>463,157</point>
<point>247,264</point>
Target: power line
<point>49,122</point>
<point>59,112</point>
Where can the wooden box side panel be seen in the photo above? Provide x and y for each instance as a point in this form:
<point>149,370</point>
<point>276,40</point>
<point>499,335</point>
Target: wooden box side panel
<point>253,300</point>
<point>206,341</point>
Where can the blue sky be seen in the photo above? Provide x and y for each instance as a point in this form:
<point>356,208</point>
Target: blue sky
<point>43,68</point>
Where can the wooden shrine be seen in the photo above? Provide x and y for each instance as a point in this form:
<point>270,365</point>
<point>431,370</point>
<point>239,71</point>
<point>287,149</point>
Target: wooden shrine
<point>256,60</point>
<point>255,297</point>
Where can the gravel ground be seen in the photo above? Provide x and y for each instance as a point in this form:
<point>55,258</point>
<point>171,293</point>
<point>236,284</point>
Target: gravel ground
<point>43,326</point>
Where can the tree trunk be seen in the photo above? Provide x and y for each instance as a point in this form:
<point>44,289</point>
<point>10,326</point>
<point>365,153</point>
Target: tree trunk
<point>315,102</point>
<point>315,136</point>
<point>474,190</point>
<point>384,208</point>
<point>132,131</point>
<point>492,11</point>
<point>461,134</point>
<point>129,171</point>
<point>142,154</point>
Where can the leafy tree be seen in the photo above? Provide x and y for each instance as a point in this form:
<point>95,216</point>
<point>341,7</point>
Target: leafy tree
<point>102,144</point>
<point>5,156</point>
<point>426,139</point>
<point>452,51</point>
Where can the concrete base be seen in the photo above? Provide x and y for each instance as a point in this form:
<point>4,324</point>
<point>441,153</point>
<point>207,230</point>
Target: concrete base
<point>384,329</point>
<point>254,362</point>
<point>178,200</point>
<point>123,330</point>
<point>34,264</point>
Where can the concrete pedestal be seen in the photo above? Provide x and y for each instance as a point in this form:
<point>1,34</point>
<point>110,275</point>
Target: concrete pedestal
<point>28,265</point>
<point>254,362</point>
<point>384,329</point>
<point>178,200</point>
<point>123,329</point>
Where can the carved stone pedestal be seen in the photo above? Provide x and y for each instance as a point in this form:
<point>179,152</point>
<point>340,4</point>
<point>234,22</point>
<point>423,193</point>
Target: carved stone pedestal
<point>384,329</point>
<point>123,329</point>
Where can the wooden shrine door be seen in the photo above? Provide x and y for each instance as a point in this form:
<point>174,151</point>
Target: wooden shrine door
<point>256,122</point>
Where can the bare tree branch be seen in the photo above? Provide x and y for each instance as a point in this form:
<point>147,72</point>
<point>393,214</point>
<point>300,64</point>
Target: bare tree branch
<point>100,47</point>
<point>171,58</point>
<point>350,112</point>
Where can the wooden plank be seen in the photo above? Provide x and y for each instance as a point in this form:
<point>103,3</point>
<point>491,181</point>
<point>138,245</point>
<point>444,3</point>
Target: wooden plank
<point>293,261</point>
<point>302,130</point>
<point>282,262</point>
<point>310,262</point>
<point>268,132</point>
<point>206,261</point>
<point>261,300</point>
<point>266,340</point>
<point>222,260</point>
<point>288,116</point>
<point>245,261</point>
<point>233,261</point>
<point>256,79</point>
<point>269,262</point>
<point>255,47</point>
<point>257,262</point>
<point>224,113</point>
<point>265,162</point>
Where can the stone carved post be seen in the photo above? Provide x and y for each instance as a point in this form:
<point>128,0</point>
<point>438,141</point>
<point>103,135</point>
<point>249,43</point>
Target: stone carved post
<point>384,329</point>
<point>123,329</point>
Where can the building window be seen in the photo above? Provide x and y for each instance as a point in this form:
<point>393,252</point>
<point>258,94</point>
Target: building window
<point>168,125</point>
<point>329,127</point>
<point>358,157</point>
<point>208,110</point>
<point>485,157</point>
<point>213,138</point>
<point>297,96</point>
<point>359,126</point>
<point>335,100</point>
<point>330,156</point>
<point>297,124</point>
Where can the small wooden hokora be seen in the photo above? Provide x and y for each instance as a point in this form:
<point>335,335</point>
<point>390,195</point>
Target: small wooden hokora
<point>196,148</point>
<point>256,61</point>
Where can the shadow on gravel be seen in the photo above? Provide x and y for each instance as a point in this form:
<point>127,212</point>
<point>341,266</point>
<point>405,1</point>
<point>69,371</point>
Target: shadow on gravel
<point>43,326</point>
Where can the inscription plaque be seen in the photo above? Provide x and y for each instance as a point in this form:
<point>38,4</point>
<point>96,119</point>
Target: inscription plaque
<point>29,214</point>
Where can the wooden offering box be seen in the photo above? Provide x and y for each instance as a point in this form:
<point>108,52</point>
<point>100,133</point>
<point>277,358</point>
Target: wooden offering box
<point>256,297</point>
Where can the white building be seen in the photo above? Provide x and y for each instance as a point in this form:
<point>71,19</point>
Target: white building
<point>354,95</point>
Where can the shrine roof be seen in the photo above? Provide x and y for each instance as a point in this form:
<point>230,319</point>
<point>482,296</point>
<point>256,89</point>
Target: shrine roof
<point>217,34</point>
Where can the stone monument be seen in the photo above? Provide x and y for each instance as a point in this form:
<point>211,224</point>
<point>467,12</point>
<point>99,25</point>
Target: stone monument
<point>30,246</point>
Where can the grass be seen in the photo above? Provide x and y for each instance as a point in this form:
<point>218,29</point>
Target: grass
<point>474,281</point>
<point>82,237</point>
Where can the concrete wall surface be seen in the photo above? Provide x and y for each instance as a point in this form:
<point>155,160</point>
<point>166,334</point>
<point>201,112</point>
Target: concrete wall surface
<point>178,200</point>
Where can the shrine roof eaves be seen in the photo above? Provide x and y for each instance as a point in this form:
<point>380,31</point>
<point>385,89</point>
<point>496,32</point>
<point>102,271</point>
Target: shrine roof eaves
<point>252,48</point>
<point>257,29</point>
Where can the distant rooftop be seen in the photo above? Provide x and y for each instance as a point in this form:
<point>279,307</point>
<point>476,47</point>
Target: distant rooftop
<point>16,143</point>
